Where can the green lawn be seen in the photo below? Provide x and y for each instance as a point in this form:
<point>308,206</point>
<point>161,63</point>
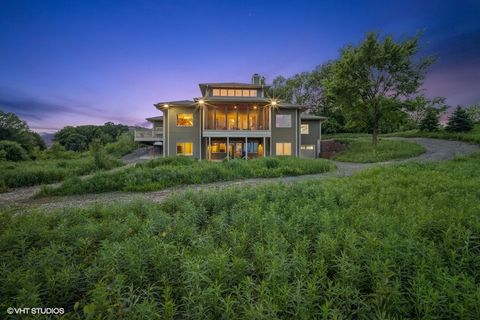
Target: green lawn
<point>397,242</point>
<point>168,172</point>
<point>362,150</point>
<point>472,136</point>
<point>29,173</point>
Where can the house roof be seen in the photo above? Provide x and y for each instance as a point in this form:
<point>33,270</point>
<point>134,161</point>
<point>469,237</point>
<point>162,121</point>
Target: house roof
<point>157,118</point>
<point>204,86</point>
<point>183,103</point>
<point>307,116</point>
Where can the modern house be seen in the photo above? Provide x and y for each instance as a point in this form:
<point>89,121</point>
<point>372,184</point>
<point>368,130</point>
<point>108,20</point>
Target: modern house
<point>233,120</point>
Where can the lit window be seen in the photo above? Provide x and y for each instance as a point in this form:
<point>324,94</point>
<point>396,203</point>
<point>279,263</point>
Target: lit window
<point>307,147</point>
<point>185,149</point>
<point>238,93</point>
<point>253,93</point>
<point>219,147</point>
<point>231,92</point>
<point>216,92</point>
<point>283,120</point>
<point>185,120</point>
<point>304,129</point>
<point>223,92</point>
<point>283,149</point>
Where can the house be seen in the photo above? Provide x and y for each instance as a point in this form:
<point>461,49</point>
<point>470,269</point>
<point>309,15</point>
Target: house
<point>233,120</point>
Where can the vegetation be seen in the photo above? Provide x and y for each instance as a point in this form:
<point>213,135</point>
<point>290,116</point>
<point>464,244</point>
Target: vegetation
<point>12,151</point>
<point>390,242</point>
<point>30,173</point>
<point>471,136</point>
<point>430,121</point>
<point>168,172</point>
<point>16,130</point>
<point>361,150</point>
<point>474,112</point>
<point>459,121</point>
<point>79,138</point>
<point>124,145</point>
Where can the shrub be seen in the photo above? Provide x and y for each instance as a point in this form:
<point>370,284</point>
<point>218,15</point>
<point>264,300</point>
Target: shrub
<point>124,145</point>
<point>430,122</point>
<point>460,121</point>
<point>13,151</point>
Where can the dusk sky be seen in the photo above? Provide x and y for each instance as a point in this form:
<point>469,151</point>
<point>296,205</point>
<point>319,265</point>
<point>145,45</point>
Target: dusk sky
<point>88,62</point>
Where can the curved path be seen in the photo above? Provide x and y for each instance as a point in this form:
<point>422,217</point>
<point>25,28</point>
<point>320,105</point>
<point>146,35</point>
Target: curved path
<point>436,150</point>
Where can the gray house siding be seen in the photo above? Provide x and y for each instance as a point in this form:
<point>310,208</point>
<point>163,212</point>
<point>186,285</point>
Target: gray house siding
<point>285,135</point>
<point>176,134</point>
<point>312,138</point>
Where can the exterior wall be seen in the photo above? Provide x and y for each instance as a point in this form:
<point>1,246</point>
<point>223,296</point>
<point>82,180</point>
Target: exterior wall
<point>313,137</point>
<point>290,135</point>
<point>175,134</point>
<point>157,125</point>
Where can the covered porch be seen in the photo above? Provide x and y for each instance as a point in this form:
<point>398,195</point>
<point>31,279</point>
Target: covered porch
<point>227,148</point>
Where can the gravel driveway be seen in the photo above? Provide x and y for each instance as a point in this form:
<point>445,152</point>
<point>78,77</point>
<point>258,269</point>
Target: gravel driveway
<point>436,150</point>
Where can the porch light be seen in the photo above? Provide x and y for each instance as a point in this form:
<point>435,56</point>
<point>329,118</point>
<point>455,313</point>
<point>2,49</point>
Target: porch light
<point>274,103</point>
<point>165,105</point>
<point>201,102</point>
<point>255,107</point>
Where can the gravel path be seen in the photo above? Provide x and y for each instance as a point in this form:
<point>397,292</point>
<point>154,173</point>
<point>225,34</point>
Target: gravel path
<point>436,150</point>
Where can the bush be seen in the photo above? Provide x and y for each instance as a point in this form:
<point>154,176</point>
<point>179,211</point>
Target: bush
<point>389,243</point>
<point>13,151</point>
<point>460,121</point>
<point>124,145</point>
<point>168,172</point>
<point>430,122</point>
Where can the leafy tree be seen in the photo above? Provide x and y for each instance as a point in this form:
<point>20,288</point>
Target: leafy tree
<point>76,142</point>
<point>430,120</point>
<point>13,151</point>
<point>372,81</point>
<point>12,128</point>
<point>474,112</point>
<point>460,121</point>
<point>418,108</point>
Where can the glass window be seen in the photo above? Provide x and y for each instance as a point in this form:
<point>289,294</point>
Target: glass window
<point>185,149</point>
<point>231,92</point>
<point>219,147</point>
<point>185,119</point>
<point>238,92</point>
<point>283,120</point>
<point>252,147</point>
<point>223,92</point>
<point>283,149</point>
<point>304,129</point>
<point>253,93</point>
<point>307,147</point>
<point>216,92</point>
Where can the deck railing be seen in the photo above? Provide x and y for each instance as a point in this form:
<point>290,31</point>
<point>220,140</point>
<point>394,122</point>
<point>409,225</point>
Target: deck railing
<point>150,134</point>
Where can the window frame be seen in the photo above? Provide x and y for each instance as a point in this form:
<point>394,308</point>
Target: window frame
<point>183,146</point>
<point>286,126</point>
<point>302,126</point>
<point>184,126</point>
<point>282,144</point>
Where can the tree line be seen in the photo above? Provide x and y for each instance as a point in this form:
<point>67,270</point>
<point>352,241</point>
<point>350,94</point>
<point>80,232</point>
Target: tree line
<point>375,87</point>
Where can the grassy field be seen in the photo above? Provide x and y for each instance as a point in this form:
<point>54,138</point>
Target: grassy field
<point>361,150</point>
<point>389,243</point>
<point>472,136</point>
<point>29,173</point>
<point>168,172</point>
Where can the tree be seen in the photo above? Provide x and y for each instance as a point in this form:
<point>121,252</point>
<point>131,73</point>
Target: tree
<point>372,81</point>
<point>418,108</point>
<point>12,128</point>
<point>474,112</point>
<point>13,151</point>
<point>460,121</point>
<point>76,142</point>
<point>430,120</point>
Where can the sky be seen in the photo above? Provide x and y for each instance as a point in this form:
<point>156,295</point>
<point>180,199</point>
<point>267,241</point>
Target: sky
<point>76,62</point>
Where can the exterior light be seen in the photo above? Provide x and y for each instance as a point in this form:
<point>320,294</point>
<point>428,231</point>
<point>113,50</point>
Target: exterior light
<point>234,107</point>
<point>274,103</point>
<point>165,105</point>
<point>255,107</point>
<point>201,102</point>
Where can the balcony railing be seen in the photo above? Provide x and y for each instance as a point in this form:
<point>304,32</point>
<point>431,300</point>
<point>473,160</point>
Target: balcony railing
<point>149,134</point>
